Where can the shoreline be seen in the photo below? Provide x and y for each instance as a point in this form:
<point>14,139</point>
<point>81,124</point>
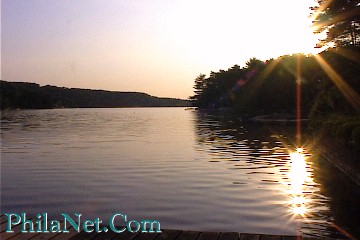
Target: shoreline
<point>342,159</point>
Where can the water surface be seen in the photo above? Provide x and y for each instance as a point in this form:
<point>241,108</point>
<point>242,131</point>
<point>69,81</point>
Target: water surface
<point>189,169</point>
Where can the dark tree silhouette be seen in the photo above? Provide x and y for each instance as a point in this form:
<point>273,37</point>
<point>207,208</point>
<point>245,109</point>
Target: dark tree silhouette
<point>33,96</point>
<point>199,85</point>
<point>340,19</point>
<point>270,87</point>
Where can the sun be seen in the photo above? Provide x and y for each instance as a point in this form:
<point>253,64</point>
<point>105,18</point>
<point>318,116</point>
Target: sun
<point>301,36</point>
<point>293,31</point>
<point>216,35</point>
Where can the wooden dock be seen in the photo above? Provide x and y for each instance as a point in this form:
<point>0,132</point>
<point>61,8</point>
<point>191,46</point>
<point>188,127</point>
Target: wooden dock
<point>164,235</point>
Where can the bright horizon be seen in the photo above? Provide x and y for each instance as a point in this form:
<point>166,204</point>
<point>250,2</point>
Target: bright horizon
<point>156,47</point>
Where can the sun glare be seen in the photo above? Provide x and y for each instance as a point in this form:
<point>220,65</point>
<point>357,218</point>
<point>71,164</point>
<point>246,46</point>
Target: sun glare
<point>298,175</point>
<point>307,41</point>
<point>219,34</point>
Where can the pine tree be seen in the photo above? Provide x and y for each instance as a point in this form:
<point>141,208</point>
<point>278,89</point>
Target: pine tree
<point>340,19</point>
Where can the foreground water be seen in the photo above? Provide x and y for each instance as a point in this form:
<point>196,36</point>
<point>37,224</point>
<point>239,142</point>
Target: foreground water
<point>188,169</point>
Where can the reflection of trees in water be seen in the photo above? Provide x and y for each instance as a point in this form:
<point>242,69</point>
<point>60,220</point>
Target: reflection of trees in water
<point>344,196</point>
<point>222,132</point>
<point>328,196</point>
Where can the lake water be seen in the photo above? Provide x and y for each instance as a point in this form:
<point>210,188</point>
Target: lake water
<point>188,169</point>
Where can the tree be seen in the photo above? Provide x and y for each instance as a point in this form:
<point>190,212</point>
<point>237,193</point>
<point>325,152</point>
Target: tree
<point>199,86</point>
<point>253,63</point>
<point>339,19</point>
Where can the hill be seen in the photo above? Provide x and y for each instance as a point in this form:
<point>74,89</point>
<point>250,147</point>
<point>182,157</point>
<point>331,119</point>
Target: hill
<point>23,95</point>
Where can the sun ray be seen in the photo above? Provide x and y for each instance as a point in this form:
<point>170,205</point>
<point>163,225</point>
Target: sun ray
<point>298,101</point>
<point>318,11</point>
<point>269,68</point>
<point>343,231</point>
<point>346,53</point>
<point>351,95</point>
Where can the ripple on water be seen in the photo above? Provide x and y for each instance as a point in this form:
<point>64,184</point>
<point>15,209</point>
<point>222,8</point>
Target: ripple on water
<point>189,169</point>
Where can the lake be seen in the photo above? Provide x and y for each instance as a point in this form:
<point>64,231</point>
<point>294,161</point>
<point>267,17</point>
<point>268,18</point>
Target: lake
<point>189,169</point>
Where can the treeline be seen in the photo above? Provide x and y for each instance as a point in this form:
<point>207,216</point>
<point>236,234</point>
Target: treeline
<point>14,95</point>
<point>270,86</point>
<point>329,83</point>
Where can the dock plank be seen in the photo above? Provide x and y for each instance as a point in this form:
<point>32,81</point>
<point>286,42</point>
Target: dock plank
<point>209,236</point>
<point>104,236</point>
<point>47,236</point>
<point>168,234</point>
<point>44,236</point>
<point>19,235</point>
<point>291,238</point>
<point>229,236</point>
<point>3,226</point>
<point>17,232</point>
<point>4,235</point>
<point>62,236</point>
<point>188,235</point>
<point>84,236</point>
<point>146,236</point>
<point>270,237</point>
<point>4,222</point>
<point>3,218</point>
<point>26,236</point>
<point>313,238</point>
<point>248,236</point>
<point>125,236</point>
<point>66,236</point>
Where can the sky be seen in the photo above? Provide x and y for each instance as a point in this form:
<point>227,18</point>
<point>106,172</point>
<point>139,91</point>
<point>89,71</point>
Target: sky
<point>153,46</point>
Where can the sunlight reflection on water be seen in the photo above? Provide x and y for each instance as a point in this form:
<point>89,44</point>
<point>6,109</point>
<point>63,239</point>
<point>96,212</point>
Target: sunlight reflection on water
<point>298,174</point>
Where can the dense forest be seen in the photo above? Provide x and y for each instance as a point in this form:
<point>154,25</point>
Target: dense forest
<point>14,95</point>
<point>327,84</point>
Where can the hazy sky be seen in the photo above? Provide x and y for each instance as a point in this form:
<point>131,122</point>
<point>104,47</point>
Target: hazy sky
<point>152,46</point>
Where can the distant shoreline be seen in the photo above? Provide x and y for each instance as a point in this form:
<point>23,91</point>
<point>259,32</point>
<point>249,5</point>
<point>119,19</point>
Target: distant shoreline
<point>16,109</point>
<point>24,95</point>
